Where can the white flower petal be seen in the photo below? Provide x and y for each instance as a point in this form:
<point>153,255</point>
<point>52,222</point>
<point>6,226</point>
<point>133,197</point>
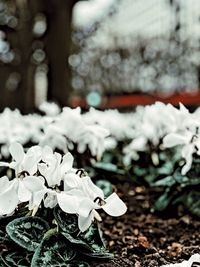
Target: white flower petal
<point>86,206</point>
<point>85,222</point>
<point>30,164</point>
<point>9,199</point>
<point>17,151</point>
<point>90,189</point>
<point>42,167</point>
<point>37,198</point>
<point>174,139</point>
<point>68,203</point>
<point>47,153</point>
<point>71,180</point>
<point>23,193</point>
<point>50,201</point>
<point>34,183</point>
<point>4,183</point>
<point>36,151</point>
<point>67,163</point>
<point>114,205</point>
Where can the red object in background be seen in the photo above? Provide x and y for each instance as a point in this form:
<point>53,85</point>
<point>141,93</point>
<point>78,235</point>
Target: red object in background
<point>125,101</point>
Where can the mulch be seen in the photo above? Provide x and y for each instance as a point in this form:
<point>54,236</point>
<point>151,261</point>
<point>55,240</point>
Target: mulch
<point>142,238</point>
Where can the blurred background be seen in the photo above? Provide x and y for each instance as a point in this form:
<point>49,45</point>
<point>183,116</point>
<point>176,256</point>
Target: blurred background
<point>101,53</point>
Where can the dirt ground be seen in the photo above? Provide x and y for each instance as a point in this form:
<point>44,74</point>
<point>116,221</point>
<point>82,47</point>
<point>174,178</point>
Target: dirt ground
<point>142,238</point>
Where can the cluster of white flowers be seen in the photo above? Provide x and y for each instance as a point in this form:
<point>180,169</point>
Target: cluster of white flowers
<point>69,128</point>
<point>165,126</point>
<point>157,125</point>
<point>18,128</point>
<point>120,125</point>
<point>58,130</point>
<point>42,175</point>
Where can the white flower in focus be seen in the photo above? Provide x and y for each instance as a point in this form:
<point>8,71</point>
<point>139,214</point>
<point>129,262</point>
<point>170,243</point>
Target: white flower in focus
<point>68,201</point>
<point>8,196</point>
<point>112,205</point>
<point>54,167</point>
<point>24,189</point>
<point>35,189</point>
<point>90,190</point>
<point>23,162</point>
<point>51,199</point>
<point>71,181</point>
<point>83,197</point>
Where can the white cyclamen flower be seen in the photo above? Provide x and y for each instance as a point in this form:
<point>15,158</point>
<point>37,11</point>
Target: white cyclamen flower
<point>112,205</point>
<point>189,142</point>
<point>24,189</point>
<point>83,197</point>
<point>54,167</point>
<point>23,162</point>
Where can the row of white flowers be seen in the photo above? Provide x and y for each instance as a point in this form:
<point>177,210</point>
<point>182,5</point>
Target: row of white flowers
<point>160,125</point>
<point>102,130</point>
<point>42,175</point>
<point>166,126</point>
<point>59,131</point>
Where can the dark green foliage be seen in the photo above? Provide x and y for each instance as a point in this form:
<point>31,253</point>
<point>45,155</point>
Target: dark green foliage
<point>108,167</point>
<point>145,170</point>
<point>27,231</point>
<point>31,241</point>
<point>13,258</point>
<point>53,251</point>
<point>191,200</point>
<point>181,189</point>
<point>163,201</point>
<point>67,222</point>
<point>3,236</point>
<point>90,242</point>
<point>93,238</point>
<point>78,264</point>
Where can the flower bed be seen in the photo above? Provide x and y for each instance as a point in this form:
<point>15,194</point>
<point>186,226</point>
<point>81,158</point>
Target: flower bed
<point>48,201</point>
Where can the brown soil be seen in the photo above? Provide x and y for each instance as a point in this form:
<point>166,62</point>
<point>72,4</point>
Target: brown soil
<point>142,238</point>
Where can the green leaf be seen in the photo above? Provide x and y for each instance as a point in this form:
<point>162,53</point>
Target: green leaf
<point>69,227</point>
<point>67,222</point>
<point>93,238</point>
<point>27,231</point>
<point>78,264</point>
<point>53,251</point>
<point>109,167</point>
<point>191,200</point>
<point>90,241</point>
<point>15,258</point>
<point>2,263</point>
<point>179,178</point>
<point>4,236</point>
<point>167,181</point>
<point>163,201</point>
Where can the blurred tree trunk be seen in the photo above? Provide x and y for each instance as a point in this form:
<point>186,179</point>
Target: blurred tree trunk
<point>17,83</point>
<point>58,43</point>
